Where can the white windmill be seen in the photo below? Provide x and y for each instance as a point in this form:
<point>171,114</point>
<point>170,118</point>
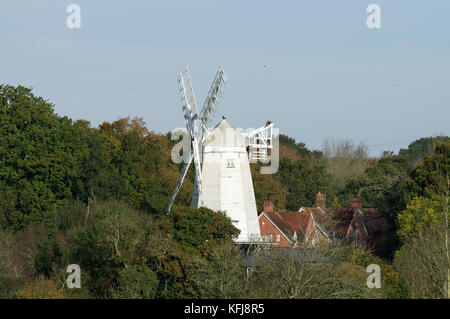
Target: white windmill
<point>221,158</point>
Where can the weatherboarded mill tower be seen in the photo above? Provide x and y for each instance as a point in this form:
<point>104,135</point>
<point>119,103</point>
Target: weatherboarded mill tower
<point>221,158</point>
<point>227,180</point>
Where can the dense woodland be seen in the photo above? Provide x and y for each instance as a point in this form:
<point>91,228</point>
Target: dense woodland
<point>97,197</point>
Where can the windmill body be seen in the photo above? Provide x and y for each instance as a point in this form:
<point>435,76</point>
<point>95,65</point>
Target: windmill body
<point>227,181</point>
<point>221,158</point>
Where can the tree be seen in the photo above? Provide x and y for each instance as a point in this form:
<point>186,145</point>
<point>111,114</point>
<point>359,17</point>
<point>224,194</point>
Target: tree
<point>194,227</point>
<point>41,288</point>
<point>220,273</point>
<point>344,160</point>
<point>142,162</point>
<point>431,178</point>
<point>299,148</point>
<point>266,187</point>
<point>110,241</point>
<point>136,282</point>
<point>320,273</point>
<point>420,213</point>
<point>380,185</point>
<point>45,160</point>
<point>417,150</point>
<point>302,179</point>
<point>423,262</point>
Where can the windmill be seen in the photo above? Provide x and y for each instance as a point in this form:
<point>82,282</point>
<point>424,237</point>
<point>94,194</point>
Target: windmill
<point>221,158</point>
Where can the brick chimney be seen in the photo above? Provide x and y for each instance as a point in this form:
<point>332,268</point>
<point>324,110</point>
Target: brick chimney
<point>356,203</point>
<point>321,200</point>
<point>268,206</point>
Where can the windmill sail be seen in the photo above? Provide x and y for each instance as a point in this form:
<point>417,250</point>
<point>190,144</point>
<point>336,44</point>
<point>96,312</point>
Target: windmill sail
<point>196,127</point>
<point>180,181</point>
<point>223,179</point>
<point>211,102</point>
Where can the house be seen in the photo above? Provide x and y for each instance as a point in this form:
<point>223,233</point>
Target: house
<point>367,226</point>
<point>300,228</point>
<point>309,226</point>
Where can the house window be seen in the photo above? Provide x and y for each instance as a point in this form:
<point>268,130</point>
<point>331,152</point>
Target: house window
<point>278,237</point>
<point>230,163</point>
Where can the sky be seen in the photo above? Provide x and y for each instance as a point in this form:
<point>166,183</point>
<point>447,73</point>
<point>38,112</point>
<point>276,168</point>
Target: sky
<point>313,67</point>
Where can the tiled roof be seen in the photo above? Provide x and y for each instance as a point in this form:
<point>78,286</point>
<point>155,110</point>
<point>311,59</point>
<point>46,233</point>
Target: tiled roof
<point>344,217</point>
<point>290,223</point>
<point>375,222</point>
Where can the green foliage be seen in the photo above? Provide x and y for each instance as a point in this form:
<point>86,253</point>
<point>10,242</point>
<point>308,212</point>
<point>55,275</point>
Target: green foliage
<point>41,288</point>
<point>431,178</point>
<point>301,148</point>
<point>106,244</point>
<point>417,150</point>
<point>48,257</point>
<point>380,184</point>
<point>136,282</point>
<point>423,227</point>
<point>71,215</point>
<point>9,280</point>
<point>123,253</point>
<point>266,187</point>
<point>315,275</point>
<point>194,227</point>
<point>393,286</point>
<point>97,197</point>
<point>303,180</point>
<point>45,159</point>
<point>423,262</point>
<point>220,273</point>
<point>142,160</point>
<point>300,175</point>
<point>421,213</point>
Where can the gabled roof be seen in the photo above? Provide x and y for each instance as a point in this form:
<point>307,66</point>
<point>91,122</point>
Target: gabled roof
<point>224,124</point>
<point>225,135</point>
<point>320,214</point>
<point>344,217</point>
<point>277,223</point>
<point>293,225</point>
<point>372,221</point>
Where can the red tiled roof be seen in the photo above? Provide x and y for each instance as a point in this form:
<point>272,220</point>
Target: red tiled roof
<point>291,222</point>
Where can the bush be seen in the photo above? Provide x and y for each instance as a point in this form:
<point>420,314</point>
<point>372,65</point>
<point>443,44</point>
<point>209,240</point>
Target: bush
<point>41,288</point>
<point>136,282</point>
<point>111,239</point>
<point>71,215</point>
<point>194,227</point>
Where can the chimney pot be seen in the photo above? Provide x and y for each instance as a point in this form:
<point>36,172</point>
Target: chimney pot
<point>321,200</point>
<point>268,206</point>
<point>356,203</point>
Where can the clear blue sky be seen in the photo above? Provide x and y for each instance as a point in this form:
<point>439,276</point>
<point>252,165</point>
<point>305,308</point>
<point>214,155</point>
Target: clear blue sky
<point>326,74</point>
